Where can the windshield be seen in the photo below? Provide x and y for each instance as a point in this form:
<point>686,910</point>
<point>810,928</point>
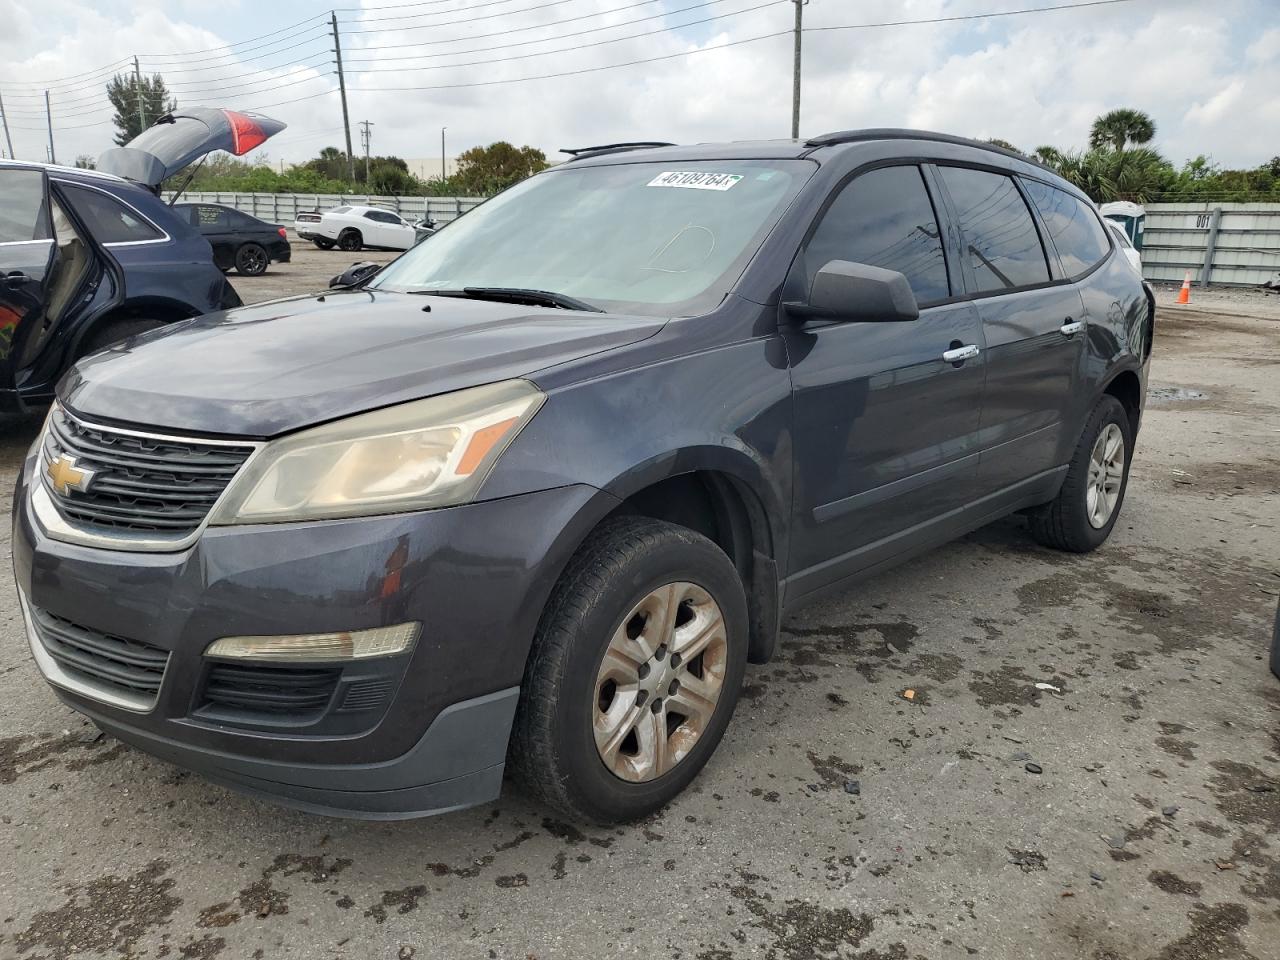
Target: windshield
<point>661,239</point>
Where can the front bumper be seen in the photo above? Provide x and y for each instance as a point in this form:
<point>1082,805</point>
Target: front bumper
<point>476,577</point>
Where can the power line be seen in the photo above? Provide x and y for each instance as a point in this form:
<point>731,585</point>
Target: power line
<point>512,13</point>
<point>529,43</point>
<point>575,48</point>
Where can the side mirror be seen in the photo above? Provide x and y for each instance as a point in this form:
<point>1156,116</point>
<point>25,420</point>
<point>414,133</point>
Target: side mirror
<point>857,293</point>
<point>355,274</point>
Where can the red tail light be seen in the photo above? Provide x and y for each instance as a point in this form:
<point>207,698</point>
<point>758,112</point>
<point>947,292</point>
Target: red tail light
<point>284,233</point>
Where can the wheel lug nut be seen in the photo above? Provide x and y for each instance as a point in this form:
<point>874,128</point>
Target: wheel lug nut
<point>644,670</point>
<point>675,660</point>
<point>641,697</point>
<point>671,690</point>
<point>657,705</point>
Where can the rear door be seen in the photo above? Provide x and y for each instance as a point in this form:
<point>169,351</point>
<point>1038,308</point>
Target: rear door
<point>26,260</point>
<point>885,427</point>
<point>213,223</point>
<point>1033,326</point>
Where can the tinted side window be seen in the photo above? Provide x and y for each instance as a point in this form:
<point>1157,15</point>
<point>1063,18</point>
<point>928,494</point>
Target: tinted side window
<point>884,218</point>
<point>1072,225</point>
<point>999,232</point>
<point>23,214</point>
<point>108,220</point>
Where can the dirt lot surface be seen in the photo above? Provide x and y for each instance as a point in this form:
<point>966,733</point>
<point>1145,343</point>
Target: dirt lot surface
<point>1152,829</point>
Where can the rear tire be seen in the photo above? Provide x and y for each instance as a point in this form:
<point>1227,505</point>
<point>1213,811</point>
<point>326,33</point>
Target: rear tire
<point>323,244</point>
<point>1083,514</point>
<point>572,709</point>
<point>350,240</point>
<point>114,332</point>
<point>251,260</point>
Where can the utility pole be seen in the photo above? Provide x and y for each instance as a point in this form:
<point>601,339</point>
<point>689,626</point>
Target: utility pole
<point>442,164</point>
<point>795,67</point>
<point>342,90</point>
<point>137,85</point>
<point>8,139</point>
<point>365,137</point>
<point>48,115</point>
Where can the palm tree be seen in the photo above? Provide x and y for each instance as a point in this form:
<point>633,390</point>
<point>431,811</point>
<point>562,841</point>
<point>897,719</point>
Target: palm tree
<point>1049,156</point>
<point>1120,128</point>
<point>1106,174</point>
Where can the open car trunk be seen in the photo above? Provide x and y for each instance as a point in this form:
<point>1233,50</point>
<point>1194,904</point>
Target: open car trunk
<point>178,139</point>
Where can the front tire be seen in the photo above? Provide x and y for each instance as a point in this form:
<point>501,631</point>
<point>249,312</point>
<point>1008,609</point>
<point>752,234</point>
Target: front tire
<point>1083,514</point>
<point>350,240</point>
<point>634,673</point>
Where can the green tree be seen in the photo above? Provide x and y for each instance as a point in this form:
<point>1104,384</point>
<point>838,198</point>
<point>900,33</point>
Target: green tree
<point>331,163</point>
<point>86,162</point>
<point>1049,156</point>
<point>123,92</point>
<point>1003,144</point>
<point>486,170</point>
<point>1139,175</point>
<point>1122,128</point>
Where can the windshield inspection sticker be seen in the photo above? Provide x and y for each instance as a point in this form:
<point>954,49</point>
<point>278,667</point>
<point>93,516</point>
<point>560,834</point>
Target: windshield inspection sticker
<point>695,181</point>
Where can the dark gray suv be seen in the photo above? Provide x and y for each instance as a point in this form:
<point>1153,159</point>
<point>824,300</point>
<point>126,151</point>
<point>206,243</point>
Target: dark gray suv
<point>532,497</point>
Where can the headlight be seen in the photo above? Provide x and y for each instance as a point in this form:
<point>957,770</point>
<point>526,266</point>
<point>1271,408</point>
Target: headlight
<point>428,453</point>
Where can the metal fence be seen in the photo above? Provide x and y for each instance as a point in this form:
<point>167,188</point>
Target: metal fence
<point>1227,243</point>
<point>283,207</point>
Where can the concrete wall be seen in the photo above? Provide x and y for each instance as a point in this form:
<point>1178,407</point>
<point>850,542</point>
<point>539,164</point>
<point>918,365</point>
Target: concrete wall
<point>1246,242</point>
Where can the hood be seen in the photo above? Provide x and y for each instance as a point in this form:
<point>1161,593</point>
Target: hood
<point>182,137</point>
<point>264,370</point>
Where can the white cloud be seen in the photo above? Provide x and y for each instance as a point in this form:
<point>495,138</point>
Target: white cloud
<point>1206,77</point>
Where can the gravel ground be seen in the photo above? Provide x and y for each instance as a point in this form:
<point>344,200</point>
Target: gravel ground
<point>1152,830</point>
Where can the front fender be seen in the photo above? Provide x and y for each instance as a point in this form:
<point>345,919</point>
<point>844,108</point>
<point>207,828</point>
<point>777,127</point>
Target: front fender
<point>725,410</point>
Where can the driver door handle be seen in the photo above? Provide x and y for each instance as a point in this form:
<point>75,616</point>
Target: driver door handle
<point>16,278</point>
<point>960,354</point>
<point>1071,327</point>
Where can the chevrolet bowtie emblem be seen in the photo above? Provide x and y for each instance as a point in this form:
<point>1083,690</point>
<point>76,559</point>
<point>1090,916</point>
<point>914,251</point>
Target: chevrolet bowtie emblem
<point>65,476</point>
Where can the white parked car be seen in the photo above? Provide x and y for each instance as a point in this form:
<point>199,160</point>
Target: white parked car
<point>1126,246</point>
<point>356,227</point>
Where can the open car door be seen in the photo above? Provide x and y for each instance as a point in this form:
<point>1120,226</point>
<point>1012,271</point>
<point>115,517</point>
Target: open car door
<point>50,276</point>
<point>26,259</point>
<point>180,138</point>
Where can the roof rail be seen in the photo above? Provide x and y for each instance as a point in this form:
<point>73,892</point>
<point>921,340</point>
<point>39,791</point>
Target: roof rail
<point>896,133</point>
<point>580,153</point>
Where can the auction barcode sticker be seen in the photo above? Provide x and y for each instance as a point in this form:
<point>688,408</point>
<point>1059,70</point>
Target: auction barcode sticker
<point>695,181</point>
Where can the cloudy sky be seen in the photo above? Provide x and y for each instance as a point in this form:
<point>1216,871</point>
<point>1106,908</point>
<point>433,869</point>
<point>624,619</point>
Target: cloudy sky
<point>719,69</point>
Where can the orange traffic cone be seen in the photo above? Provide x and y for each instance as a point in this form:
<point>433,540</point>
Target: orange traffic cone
<point>1184,295</point>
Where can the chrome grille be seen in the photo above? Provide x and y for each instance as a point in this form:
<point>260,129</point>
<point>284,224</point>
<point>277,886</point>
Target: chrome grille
<point>141,484</point>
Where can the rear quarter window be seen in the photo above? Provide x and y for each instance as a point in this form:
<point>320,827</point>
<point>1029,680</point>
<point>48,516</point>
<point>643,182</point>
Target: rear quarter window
<point>1072,225</point>
<point>109,220</point>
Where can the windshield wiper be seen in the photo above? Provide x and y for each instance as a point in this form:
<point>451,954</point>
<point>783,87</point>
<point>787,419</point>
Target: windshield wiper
<point>538,298</point>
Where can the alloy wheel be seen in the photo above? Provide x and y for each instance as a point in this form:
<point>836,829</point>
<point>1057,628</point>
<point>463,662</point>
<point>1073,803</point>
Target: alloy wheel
<point>1106,474</point>
<point>659,681</point>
